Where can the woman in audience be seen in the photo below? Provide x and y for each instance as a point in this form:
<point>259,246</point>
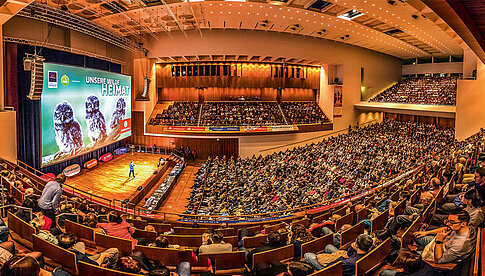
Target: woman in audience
<point>297,236</point>
<point>22,265</point>
<point>38,223</point>
<point>409,263</point>
<point>117,227</point>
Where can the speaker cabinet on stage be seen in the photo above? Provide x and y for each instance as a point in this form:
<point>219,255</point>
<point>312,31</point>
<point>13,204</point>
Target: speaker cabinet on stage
<point>36,79</point>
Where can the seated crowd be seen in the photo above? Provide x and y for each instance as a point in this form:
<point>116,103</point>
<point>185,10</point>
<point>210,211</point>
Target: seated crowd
<point>426,90</point>
<point>444,227</point>
<point>303,113</point>
<point>241,114</point>
<point>314,173</point>
<point>178,114</point>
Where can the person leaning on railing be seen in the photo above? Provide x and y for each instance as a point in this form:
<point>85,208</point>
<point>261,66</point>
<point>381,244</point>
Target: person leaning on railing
<point>51,197</point>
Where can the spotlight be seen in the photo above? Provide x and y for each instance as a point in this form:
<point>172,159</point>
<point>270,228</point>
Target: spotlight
<point>64,8</point>
<point>414,16</point>
<point>391,2</point>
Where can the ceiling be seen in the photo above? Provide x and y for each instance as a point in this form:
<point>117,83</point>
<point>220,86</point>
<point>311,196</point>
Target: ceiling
<point>401,28</point>
<point>467,18</point>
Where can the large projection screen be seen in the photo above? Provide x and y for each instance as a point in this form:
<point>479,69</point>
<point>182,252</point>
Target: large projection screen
<point>82,110</point>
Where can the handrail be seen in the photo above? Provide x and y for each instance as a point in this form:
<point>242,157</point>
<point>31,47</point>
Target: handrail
<point>17,206</point>
<point>318,137</point>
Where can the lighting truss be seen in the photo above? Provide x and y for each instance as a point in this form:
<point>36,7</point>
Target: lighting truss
<point>58,17</point>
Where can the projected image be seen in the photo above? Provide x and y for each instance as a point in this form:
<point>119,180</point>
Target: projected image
<point>82,110</point>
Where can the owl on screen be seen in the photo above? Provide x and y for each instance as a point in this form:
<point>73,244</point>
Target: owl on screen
<point>69,136</point>
<point>118,113</point>
<point>95,120</point>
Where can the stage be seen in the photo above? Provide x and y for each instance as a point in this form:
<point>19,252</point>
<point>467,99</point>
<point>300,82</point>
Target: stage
<point>110,180</point>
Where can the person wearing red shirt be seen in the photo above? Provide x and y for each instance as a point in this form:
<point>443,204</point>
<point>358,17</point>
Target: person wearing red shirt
<point>117,227</point>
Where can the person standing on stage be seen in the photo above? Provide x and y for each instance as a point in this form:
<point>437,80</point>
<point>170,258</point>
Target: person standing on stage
<point>132,170</point>
<point>51,197</point>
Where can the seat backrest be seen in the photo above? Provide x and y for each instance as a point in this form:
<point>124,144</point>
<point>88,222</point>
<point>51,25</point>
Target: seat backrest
<point>166,256</point>
<point>251,230</point>
<point>274,227</point>
<point>22,228</point>
<point>351,234</point>
<point>189,231</point>
<point>233,240</point>
<point>322,217</point>
<point>400,208</point>
<point>161,227</point>
<point>149,235</point>
<point>380,221</point>
<point>408,235</point>
<point>333,270</point>
<point>362,214</point>
<point>303,222</point>
<point>17,194</point>
<point>231,260</point>
<point>185,240</point>
<point>371,260</point>
<point>58,254</point>
<point>105,241</point>
<point>252,242</point>
<point>342,211</point>
<point>279,254</point>
<point>81,231</point>
<point>347,219</point>
<point>316,245</point>
<point>138,223</point>
<point>89,269</point>
<point>227,231</point>
<point>395,195</point>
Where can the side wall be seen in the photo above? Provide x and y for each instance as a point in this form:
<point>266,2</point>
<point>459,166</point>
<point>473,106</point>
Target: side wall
<point>8,139</point>
<point>470,104</point>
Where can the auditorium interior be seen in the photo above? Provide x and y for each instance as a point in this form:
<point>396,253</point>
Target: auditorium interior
<point>242,137</point>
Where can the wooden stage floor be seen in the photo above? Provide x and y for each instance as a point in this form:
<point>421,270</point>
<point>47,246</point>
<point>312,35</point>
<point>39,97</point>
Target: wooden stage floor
<point>110,180</point>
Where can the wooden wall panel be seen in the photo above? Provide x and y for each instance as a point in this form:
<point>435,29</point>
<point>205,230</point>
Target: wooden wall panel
<point>178,94</point>
<point>252,75</point>
<point>442,122</point>
<point>205,147</point>
<point>298,94</point>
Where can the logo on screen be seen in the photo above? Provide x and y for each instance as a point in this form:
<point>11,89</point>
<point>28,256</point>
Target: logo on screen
<point>52,81</point>
<point>125,125</point>
<point>65,80</point>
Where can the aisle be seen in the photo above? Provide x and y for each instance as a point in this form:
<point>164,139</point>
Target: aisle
<point>177,198</point>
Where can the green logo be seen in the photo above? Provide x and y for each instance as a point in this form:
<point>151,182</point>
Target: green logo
<point>65,80</point>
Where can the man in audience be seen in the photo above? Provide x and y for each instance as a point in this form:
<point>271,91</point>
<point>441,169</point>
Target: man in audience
<point>215,244</point>
<point>108,257</point>
<point>453,243</point>
<point>357,250</point>
<point>410,213</point>
<point>51,197</point>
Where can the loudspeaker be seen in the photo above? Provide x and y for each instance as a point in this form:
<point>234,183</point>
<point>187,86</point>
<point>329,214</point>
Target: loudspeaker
<point>27,64</point>
<point>36,79</point>
<point>146,88</point>
<point>139,188</point>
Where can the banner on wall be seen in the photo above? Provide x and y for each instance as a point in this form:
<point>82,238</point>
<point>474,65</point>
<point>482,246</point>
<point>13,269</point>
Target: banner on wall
<point>82,110</point>
<point>337,101</point>
<point>284,128</point>
<point>186,128</point>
